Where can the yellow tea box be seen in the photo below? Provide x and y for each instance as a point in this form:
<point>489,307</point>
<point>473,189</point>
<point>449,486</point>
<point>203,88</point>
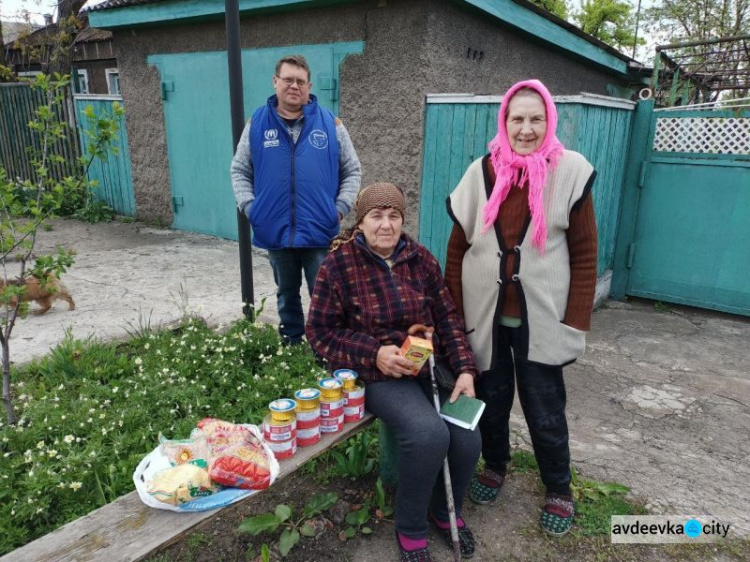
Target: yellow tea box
<point>417,350</point>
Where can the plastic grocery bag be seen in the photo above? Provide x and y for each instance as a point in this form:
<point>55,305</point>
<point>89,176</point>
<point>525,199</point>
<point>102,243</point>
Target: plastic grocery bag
<point>156,461</point>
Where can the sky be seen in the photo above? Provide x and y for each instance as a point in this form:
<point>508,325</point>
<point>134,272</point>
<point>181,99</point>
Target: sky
<point>10,9</point>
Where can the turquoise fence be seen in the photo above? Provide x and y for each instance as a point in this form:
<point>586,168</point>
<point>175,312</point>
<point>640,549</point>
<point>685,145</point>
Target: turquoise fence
<point>115,182</point>
<point>458,128</point>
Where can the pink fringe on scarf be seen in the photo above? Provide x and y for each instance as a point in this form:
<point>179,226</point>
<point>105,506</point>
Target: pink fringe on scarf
<point>533,168</point>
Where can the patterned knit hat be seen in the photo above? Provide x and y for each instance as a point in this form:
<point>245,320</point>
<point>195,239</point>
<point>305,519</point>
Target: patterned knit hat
<point>379,195</point>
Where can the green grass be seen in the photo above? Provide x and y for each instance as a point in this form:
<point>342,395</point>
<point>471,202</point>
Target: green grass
<point>90,411</point>
<point>523,462</point>
<point>593,515</point>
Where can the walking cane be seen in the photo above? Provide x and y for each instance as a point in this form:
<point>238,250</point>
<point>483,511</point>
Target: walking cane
<point>446,473</point>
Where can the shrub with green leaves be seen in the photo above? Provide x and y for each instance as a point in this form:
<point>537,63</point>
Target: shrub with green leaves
<point>89,412</point>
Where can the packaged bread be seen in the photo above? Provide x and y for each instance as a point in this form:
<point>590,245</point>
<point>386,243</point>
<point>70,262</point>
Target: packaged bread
<point>180,484</point>
<point>237,457</point>
<point>182,451</point>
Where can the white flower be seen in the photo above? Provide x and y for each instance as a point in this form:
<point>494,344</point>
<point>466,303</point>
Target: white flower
<point>51,453</point>
<point>90,420</point>
<point>40,445</point>
<point>92,410</point>
<point>147,346</point>
<point>61,387</point>
<point>104,431</point>
<point>138,361</point>
<point>115,389</point>
<point>75,486</point>
<point>92,454</point>
<point>102,416</point>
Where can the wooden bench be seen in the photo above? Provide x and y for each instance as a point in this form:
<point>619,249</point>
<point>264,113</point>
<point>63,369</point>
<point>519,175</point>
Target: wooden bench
<point>126,529</point>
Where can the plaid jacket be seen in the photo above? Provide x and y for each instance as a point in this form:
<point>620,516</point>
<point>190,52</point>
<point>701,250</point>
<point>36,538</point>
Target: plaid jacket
<point>360,304</point>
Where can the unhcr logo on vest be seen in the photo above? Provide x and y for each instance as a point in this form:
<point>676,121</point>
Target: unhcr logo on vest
<point>318,139</point>
<point>271,138</point>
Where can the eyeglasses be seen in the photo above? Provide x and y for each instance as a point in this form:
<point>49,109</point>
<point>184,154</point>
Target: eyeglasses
<point>289,81</point>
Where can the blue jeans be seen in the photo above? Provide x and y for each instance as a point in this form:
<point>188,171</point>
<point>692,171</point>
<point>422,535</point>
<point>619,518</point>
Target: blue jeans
<point>423,439</point>
<point>288,265</point>
<point>541,391</point>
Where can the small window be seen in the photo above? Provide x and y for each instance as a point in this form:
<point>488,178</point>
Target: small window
<point>29,73</point>
<point>83,81</point>
<point>113,81</point>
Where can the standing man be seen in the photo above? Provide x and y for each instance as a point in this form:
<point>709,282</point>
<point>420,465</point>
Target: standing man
<point>295,176</point>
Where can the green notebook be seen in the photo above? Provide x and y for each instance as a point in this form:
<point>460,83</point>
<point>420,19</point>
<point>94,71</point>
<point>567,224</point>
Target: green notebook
<point>464,412</point>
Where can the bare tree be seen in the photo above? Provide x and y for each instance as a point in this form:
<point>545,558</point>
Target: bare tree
<point>716,67</point>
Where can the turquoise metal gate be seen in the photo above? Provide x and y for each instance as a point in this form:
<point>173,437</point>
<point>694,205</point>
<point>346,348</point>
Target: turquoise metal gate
<point>685,223</point>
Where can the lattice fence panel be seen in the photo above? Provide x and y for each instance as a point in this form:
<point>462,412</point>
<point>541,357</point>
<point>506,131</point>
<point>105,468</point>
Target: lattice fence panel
<point>710,135</point>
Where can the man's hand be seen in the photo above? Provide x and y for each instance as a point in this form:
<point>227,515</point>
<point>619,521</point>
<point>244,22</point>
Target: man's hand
<point>464,385</point>
<point>391,362</point>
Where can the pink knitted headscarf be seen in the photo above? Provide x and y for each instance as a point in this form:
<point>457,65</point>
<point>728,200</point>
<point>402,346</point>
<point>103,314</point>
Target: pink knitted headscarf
<point>534,167</point>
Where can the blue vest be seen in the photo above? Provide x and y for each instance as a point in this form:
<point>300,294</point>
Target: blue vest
<point>295,185</point>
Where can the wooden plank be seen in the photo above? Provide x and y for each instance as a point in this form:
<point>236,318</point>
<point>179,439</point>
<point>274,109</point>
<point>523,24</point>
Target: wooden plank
<point>128,530</point>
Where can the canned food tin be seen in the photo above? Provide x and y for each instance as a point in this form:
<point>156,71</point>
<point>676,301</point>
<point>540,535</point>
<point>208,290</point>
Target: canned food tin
<point>308,419</point>
<point>331,409</point>
<point>284,449</point>
<point>307,399</point>
<point>347,377</point>
<point>355,396</point>
<point>330,389</point>
<point>278,431</point>
<point>307,437</point>
<point>354,413</point>
<point>332,425</point>
<point>283,409</point>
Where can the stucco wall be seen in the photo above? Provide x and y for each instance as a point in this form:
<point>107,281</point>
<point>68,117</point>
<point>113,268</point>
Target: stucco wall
<point>412,48</point>
<point>507,57</point>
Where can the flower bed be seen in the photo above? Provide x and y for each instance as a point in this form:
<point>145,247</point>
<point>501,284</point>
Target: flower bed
<point>90,411</point>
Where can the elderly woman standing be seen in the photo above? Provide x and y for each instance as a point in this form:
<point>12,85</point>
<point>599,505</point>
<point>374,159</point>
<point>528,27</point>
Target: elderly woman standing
<point>376,287</point>
<point>522,270</point>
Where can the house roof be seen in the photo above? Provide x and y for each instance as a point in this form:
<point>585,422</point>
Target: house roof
<point>92,35</point>
<point>12,30</point>
<point>526,18</point>
<point>92,5</point>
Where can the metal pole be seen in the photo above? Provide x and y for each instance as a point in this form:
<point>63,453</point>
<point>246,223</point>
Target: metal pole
<point>637,22</point>
<point>446,473</point>
<point>237,105</point>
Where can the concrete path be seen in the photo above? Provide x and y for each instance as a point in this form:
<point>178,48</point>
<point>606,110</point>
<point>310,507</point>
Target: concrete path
<point>660,402</point>
<point>127,275</point>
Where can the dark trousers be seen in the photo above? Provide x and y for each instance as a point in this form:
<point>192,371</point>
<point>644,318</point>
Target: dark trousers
<point>423,438</point>
<point>541,391</point>
<point>288,265</point>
